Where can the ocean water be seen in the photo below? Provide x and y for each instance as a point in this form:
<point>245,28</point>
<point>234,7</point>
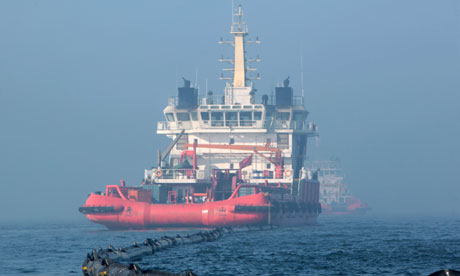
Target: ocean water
<point>347,245</point>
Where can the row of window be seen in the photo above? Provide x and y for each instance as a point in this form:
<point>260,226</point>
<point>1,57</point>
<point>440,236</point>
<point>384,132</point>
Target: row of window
<point>232,118</point>
<point>232,107</point>
<point>215,116</point>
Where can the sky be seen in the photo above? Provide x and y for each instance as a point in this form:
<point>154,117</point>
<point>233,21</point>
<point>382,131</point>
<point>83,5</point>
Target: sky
<point>83,83</point>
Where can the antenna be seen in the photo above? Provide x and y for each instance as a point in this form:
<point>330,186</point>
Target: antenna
<point>196,78</point>
<point>233,10</point>
<point>301,75</point>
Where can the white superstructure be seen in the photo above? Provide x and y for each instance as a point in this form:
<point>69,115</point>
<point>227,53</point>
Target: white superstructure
<point>223,130</point>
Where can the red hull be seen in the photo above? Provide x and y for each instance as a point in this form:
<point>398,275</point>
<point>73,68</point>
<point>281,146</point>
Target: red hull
<point>351,209</point>
<point>142,215</point>
<point>256,209</point>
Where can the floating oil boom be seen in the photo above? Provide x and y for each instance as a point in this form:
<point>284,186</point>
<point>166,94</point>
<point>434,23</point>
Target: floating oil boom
<point>110,261</point>
<point>234,159</point>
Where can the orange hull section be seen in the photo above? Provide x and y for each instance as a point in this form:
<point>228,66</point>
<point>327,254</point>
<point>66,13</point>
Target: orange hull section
<point>130,214</point>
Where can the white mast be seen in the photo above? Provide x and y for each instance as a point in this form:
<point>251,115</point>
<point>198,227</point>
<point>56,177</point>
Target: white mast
<point>239,30</point>
<point>240,90</point>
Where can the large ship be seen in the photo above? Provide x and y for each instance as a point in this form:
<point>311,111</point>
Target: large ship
<point>234,159</point>
<point>335,196</point>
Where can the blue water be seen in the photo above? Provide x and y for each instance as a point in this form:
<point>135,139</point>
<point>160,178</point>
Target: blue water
<point>362,245</point>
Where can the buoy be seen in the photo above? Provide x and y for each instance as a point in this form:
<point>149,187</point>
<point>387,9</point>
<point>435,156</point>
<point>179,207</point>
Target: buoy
<point>447,272</point>
<point>158,173</point>
<point>288,173</point>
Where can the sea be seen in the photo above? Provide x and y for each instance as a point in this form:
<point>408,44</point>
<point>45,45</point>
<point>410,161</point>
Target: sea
<point>337,245</point>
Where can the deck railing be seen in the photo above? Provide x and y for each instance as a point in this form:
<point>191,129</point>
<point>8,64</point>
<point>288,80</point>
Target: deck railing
<point>181,174</point>
<point>274,124</point>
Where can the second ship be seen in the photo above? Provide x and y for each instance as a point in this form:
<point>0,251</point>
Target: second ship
<point>234,159</point>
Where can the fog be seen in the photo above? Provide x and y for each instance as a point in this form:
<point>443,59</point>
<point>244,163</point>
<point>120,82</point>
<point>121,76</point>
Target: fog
<point>83,83</point>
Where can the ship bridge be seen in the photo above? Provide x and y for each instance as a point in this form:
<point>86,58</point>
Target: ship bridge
<point>236,118</point>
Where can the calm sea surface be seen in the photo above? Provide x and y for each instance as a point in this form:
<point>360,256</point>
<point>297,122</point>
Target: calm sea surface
<point>362,245</point>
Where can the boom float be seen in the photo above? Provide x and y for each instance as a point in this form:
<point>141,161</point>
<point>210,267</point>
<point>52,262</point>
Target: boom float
<point>107,262</point>
<point>235,159</point>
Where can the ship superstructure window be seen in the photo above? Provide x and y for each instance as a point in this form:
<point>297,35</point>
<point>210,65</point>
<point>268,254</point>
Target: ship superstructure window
<point>170,117</point>
<point>246,118</point>
<point>247,107</point>
<point>205,116</point>
<point>231,118</point>
<point>283,142</point>
<point>268,119</point>
<point>282,116</point>
<point>236,106</point>
<point>217,118</point>
<point>194,116</point>
<point>183,116</point>
<point>257,115</point>
<point>299,116</point>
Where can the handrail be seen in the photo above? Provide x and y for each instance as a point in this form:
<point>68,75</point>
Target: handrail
<point>152,174</point>
<point>235,147</point>
<point>116,187</point>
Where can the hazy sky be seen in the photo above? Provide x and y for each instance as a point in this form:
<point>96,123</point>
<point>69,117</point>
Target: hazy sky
<point>83,83</point>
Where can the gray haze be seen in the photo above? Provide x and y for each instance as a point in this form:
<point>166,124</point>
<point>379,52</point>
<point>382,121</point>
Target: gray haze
<point>83,83</point>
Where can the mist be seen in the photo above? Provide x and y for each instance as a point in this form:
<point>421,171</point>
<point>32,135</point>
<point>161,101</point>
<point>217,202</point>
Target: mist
<point>83,84</point>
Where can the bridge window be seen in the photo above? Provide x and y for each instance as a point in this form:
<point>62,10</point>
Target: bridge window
<point>282,116</point>
<point>170,117</point>
<point>246,118</point>
<point>194,116</point>
<point>231,118</point>
<point>205,116</point>
<point>183,116</point>
<point>257,115</point>
<point>268,119</point>
<point>217,118</point>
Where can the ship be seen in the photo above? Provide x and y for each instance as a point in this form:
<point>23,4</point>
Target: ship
<point>335,196</point>
<point>234,159</point>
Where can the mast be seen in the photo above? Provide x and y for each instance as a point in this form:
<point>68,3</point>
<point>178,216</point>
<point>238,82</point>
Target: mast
<point>240,89</point>
<point>239,30</point>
